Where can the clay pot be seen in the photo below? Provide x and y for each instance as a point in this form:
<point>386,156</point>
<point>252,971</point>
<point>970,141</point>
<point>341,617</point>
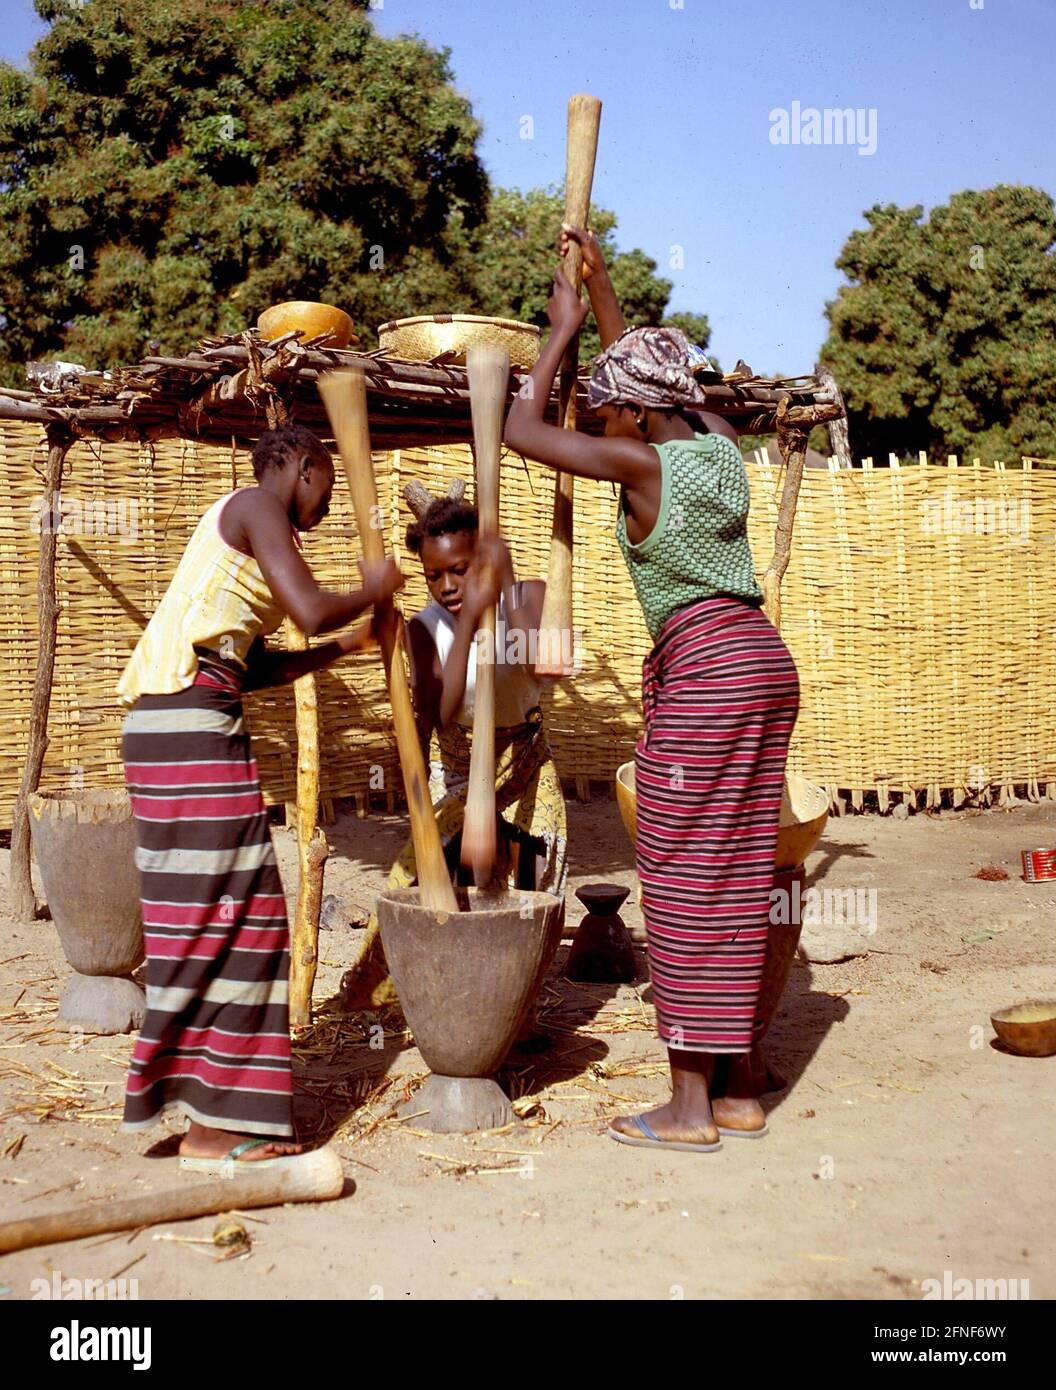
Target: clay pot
<point>466,982</point>
<point>602,951</point>
<point>85,847</point>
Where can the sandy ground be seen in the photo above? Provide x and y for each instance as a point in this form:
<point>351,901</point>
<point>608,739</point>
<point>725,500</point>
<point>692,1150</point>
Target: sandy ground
<point>905,1145</point>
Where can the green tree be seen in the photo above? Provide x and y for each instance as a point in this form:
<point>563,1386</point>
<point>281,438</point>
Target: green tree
<point>170,168</point>
<point>945,337</point>
<point>516,257</point>
<point>695,326</point>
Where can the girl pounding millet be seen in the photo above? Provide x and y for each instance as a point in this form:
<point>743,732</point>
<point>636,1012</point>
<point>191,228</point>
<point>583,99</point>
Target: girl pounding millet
<point>720,694</point>
<point>215,1041</point>
<point>465,573</point>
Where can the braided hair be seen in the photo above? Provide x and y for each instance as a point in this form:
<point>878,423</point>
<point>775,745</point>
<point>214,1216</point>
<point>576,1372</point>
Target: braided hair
<point>275,448</point>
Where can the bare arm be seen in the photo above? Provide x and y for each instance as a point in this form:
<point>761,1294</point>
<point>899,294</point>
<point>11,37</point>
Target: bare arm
<point>707,422</point>
<point>493,552</point>
<point>456,666</point>
<point>266,668</point>
<point>525,616</point>
<point>427,679</point>
<point>266,529</point>
<point>609,316</point>
<point>607,312</point>
<point>630,462</point>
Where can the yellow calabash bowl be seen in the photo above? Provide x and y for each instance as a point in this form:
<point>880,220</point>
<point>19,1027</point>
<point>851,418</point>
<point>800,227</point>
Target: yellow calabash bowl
<point>307,319</point>
<point>804,811</point>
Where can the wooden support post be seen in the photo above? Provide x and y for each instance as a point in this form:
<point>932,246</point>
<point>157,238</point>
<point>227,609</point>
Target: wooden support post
<point>839,438</point>
<point>23,899</point>
<point>312,848</point>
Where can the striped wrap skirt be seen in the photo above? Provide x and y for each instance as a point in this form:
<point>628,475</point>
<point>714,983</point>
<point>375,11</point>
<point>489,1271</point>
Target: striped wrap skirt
<point>721,696</point>
<point>215,1041</point>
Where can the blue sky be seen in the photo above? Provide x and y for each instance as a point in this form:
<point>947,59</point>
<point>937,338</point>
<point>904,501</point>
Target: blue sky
<point>962,99</point>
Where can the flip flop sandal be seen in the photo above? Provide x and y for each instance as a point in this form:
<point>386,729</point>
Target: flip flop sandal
<point>744,1133</point>
<point>229,1167</point>
<point>651,1140</point>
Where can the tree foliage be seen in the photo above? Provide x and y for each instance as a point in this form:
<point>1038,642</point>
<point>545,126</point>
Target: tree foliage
<point>945,337</point>
<point>169,168</point>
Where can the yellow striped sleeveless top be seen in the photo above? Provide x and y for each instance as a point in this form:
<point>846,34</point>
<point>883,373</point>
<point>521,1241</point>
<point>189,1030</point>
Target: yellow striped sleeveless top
<point>218,598</point>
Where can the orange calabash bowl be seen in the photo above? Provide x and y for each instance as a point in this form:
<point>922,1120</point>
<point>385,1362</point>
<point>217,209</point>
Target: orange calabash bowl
<point>307,319</point>
<point>1028,1028</point>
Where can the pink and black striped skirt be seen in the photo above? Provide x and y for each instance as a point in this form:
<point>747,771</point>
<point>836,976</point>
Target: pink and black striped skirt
<point>721,696</point>
<point>215,1042</point>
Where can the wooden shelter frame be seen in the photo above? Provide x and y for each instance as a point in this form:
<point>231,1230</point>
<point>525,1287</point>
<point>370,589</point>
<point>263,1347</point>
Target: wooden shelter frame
<point>231,389</point>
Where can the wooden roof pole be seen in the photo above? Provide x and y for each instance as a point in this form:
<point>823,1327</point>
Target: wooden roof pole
<point>23,899</point>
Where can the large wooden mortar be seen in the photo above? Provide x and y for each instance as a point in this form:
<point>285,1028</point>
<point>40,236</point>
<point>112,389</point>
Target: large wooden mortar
<point>466,982</point>
<point>85,847</point>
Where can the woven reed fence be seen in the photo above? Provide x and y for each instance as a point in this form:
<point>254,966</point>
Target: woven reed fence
<point>919,607</point>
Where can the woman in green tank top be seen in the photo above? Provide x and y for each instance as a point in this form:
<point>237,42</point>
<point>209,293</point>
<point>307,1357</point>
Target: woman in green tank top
<point>720,696</point>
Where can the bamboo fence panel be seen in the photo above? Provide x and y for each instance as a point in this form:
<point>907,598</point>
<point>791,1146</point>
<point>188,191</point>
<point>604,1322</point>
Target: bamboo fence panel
<point>918,606</point>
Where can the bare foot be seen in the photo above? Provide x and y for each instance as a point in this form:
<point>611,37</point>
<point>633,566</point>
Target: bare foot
<point>202,1142</point>
<point>696,1127</point>
<point>738,1112</point>
<point>737,1107</point>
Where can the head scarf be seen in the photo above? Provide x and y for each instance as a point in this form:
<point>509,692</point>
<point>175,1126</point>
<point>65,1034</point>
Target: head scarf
<point>652,367</point>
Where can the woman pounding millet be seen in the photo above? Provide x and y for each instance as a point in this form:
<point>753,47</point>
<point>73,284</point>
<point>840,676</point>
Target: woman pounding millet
<point>720,694</point>
<point>465,573</point>
<point>215,1042</point>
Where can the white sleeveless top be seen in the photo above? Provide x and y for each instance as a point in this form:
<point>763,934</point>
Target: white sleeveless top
<point>516,689</point>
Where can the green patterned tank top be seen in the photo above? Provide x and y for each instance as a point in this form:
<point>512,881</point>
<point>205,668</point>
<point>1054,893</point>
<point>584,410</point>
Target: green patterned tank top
<point>699,545</point>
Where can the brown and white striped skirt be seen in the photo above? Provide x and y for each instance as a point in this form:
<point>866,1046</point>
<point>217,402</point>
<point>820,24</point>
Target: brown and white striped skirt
<point>215,1042</point>
<point>721,696</point>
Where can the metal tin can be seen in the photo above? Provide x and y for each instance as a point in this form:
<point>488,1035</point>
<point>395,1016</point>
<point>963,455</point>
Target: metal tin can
<point>1038,864</point>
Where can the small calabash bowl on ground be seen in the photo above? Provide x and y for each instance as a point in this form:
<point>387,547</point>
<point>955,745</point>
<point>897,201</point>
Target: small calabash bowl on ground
<point>1028,1029</point>
<point>307,319</point>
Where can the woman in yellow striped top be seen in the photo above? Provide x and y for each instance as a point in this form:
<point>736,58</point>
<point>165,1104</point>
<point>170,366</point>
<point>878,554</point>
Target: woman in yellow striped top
<point>215,1044</point>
